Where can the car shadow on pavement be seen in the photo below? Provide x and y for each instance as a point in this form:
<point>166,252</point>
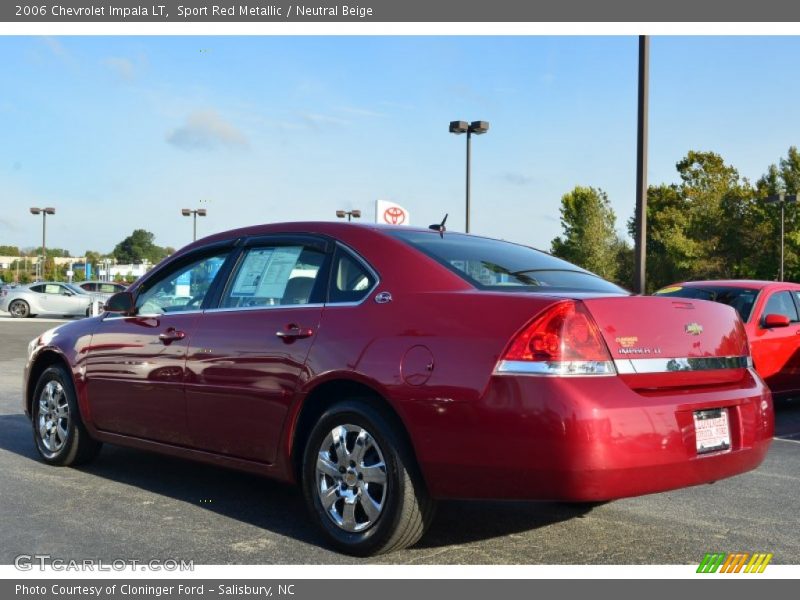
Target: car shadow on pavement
<point>787,418</point>
<point>278,507</point>
<point>465,521</point>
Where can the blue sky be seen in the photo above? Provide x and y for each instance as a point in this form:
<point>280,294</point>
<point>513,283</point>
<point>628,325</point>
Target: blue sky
<point>120,133</point>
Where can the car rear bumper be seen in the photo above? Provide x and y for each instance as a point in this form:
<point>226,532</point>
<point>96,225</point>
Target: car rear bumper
<point>587,439</point>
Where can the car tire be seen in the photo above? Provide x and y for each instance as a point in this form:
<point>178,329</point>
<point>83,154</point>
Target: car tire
<point>58,431</point>
<point>375,497</point>
<point>19,309</point>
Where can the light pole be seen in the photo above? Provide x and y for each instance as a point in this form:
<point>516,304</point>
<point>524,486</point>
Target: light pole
<point>44,212</point>
<point>781,199</point>
<point>350,214</point>
<point>478,128</point>
<point>197,212</point>
<point>640,241</point>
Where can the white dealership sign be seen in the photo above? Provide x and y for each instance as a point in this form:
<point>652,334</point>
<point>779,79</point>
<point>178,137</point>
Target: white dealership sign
<point>391,213</point>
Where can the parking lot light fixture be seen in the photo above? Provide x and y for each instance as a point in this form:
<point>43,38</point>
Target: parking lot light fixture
<point>350,214</point>
<point>44,212</point>
<point>477,128</point>
<point>197,212</point>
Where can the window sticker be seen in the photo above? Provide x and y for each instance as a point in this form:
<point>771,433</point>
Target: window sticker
<point>265,272</point>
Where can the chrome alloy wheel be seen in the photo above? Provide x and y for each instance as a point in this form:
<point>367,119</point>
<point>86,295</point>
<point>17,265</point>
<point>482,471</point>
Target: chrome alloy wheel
<point>18,309</point>
<point>351,478</point>
<point>54,417</point>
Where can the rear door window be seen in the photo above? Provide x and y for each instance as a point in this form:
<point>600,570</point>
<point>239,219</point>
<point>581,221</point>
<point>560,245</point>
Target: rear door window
<point>276,275</point>
<point>351,280</point>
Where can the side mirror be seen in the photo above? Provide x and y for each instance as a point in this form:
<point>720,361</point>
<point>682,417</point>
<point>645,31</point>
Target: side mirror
<point>121,302</point>
<point>773,320</point>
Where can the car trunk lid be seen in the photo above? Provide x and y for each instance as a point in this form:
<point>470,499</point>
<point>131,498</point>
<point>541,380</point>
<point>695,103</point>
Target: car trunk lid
<point>667,342</point>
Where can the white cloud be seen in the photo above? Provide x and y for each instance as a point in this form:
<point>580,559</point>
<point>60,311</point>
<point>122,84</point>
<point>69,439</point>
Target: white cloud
<point>57,51</point>
<point>398,105</point>
<point>206,130</point>
<point>361,112</point>
<point>316,119</point>
<point>55,46</point>
<point>516,178</point>
<point>9,225</point>
<point>123,67</point>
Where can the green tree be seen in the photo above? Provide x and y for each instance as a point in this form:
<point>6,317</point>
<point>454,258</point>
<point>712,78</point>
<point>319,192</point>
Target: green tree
<point>790,171</point>
<point>670,252</point>
<point>781,178</point>
<point>9,251</point>
<point>589,239</point>
<point>138,246</point>
<point>57,252</point>
<point>705,227</point>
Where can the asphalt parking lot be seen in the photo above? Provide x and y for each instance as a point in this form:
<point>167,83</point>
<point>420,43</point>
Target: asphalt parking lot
<point>134,505</point>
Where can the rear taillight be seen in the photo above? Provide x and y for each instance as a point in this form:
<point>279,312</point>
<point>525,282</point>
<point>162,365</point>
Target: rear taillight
<point>563,340</point>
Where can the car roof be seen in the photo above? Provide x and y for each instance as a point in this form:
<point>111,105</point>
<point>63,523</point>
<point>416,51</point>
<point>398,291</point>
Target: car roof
<point>325,227</point>
<point>336,229</point>
<point>738,283</point>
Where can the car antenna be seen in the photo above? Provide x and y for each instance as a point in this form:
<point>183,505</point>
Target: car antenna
<point>439,226</point>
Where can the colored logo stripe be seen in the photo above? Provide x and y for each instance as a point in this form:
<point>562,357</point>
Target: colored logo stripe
<point>758,563</point>
<point>735,562</point>
<point>711,562</point>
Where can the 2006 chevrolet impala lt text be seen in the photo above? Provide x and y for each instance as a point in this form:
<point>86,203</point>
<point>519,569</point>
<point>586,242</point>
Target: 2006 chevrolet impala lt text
<point>384,368</point>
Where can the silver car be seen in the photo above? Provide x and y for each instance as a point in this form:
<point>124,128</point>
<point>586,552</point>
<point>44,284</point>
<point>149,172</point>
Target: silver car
<point>46,298</point>
<point>101,290</point>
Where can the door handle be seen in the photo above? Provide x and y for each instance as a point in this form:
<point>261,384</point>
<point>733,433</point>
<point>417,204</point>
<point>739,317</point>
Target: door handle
<point>171,335</point>
<point>294,332</point>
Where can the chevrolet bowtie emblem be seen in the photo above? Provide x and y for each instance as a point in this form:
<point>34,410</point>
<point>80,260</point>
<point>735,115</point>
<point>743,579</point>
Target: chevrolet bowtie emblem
<point>693,329</point>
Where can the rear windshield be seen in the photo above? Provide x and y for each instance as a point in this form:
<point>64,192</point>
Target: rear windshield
<point>502,266</point>
<point>742,299</point>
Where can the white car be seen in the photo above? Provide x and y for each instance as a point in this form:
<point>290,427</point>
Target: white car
<point>46,298</point>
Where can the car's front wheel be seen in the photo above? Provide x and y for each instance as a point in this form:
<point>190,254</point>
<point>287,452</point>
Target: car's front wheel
<point>361,483</point>
<point>60,435</point>
<point>19,309</point>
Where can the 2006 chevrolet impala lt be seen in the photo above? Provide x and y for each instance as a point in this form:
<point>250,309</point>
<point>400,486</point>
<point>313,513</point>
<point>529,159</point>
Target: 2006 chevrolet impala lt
<point>386,367</point>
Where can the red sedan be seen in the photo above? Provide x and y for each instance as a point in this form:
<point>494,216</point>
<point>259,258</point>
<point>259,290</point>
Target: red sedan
<point>383,368</point>
<point>770,312</point>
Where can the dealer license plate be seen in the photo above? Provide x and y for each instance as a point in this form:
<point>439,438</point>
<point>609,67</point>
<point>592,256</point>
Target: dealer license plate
<point>711,430</point>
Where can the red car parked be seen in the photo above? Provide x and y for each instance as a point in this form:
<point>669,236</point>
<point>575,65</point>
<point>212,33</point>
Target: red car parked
<point>770,311</point>
<point>386,367</point>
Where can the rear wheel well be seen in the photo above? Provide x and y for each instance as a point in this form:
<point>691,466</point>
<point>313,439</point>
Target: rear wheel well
<point>330,393</point>
<point>44,361</point>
